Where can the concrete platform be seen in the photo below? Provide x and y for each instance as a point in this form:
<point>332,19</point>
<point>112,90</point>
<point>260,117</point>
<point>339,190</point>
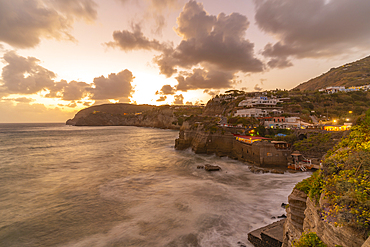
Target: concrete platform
<point>268,236</point>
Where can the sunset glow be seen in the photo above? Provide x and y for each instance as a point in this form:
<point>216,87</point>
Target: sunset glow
<point>89,52</point>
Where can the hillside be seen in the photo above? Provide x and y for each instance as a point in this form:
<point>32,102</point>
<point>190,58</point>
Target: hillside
<point>351,74</point>
<point>120,108</point>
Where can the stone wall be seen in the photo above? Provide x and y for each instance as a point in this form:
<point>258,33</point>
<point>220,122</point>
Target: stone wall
<point>262,154</point>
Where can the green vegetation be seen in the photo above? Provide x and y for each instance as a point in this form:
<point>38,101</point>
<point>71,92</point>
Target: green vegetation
<point>187,110</point>
<point>312,186</point>
<point>291,138</point>
<point>332,106</point>
<point>309,240</point>
<point>318,143</point>
<point>245,121</point>
<point>345,180</point>
<point>353,74</point>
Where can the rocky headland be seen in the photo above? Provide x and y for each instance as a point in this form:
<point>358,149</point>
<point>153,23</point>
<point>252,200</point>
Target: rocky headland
<point>126,115</point>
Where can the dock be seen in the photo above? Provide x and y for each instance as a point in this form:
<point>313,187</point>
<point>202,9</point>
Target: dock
<point>268,236</point>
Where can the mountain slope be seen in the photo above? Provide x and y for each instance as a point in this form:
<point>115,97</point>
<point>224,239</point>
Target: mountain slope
<point>351,74</point>
<point>120,108</point>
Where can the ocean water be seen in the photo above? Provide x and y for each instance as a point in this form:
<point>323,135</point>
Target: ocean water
<point>126,186</point>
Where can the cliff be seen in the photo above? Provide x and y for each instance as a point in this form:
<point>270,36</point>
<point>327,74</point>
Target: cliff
<point>222,142</point>
<point>116,109</point>
<point>126,115</point>
<point>332,207</point>
<point>293,227</point>
<point>205,142</point>
<point>303,215</point>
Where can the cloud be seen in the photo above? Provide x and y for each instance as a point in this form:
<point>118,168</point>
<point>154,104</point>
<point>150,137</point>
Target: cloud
<point>313,29</point>
<point>218,41</point>
<point>72,104</point>
<point>20,100</point>
<point>257,88</point>
<point>201,78</point>
<point>26,113</point>
<point>159,5</point>
<point>24,23</point>
<point>115,86</point>
<point>211,93</point>
<point>216,46</point>
<point>135,40</point>
<point>85,9</point>
<point>71,91</point>
<point>178,100</point>
<point>24,76</point>
<point>162,98</point>
<point>165,4</point>
<point>156,10</point>
<point>167,90</point>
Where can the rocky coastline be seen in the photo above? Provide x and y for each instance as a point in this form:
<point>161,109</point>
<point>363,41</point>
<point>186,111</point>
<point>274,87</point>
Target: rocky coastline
<point>126,115</point>
<point>223,143</point>
<point>303,215</point>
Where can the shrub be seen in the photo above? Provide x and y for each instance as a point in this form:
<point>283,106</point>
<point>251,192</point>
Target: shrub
<point>312,186</point>
<point>309,240</point>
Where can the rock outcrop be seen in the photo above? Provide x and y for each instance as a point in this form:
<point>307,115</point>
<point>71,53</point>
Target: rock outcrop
<point>327,232</point>
<point>205,142</point>
<point>304,216</point>
<point>126,115</point>
<point>223,143</point>
<point>114,109</point>
<point>295,217</point>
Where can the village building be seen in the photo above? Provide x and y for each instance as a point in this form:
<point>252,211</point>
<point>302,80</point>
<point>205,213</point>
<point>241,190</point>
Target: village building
<point>261,101</point>
<point>283,122</point>
<point>251,112</point>
<point>336,127</point>
<point>331,90</point>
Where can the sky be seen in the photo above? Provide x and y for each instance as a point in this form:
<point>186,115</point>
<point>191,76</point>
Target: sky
<point>60,56</point>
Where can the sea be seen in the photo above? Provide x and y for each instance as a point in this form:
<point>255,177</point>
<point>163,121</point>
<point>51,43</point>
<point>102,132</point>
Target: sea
<point>127,186</point>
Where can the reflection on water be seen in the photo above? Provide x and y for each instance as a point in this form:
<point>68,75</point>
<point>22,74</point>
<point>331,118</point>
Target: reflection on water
<point>126,186</point>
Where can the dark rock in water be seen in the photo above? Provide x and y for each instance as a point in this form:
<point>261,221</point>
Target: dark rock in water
<point>283,216</point>
<point>241,244</point>
<point>283,205</point>
<point>212,168</point>
<point>273,217</point>
<point>200,167</point>
<point>277,171</point>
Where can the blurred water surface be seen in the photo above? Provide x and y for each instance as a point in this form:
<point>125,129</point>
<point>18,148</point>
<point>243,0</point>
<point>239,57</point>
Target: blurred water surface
<point>126,186</point>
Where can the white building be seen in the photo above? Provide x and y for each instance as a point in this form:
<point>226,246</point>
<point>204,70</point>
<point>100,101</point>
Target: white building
<point>251,112</point>
<point>335,89</point>
<point>331,90</point>
<point>288,123</point>
<point>293,122</point>
<point>261,101</point>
